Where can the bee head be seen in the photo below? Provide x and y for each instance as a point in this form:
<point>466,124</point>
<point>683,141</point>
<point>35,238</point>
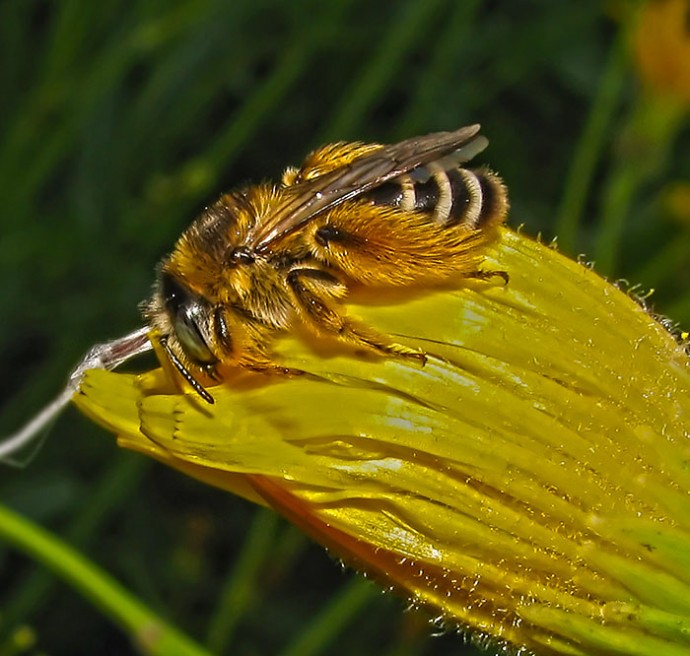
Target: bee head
<point>193,330</point>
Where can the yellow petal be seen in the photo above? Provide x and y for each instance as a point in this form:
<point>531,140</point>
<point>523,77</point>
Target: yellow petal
<point>530,481</point>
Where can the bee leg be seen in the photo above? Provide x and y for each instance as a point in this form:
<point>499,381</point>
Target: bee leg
<point>487,275</point>
<point>272,369</point>
<point>256,358</point>
<point>312,289</point>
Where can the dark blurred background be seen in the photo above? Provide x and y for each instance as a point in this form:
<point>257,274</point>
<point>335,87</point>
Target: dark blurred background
<point>121,120</point>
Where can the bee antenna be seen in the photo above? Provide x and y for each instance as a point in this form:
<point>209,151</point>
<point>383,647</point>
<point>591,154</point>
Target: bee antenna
<point>194,383</point>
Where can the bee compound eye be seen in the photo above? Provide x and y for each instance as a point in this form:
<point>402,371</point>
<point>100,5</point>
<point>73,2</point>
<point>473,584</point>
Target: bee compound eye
<point>188,315</point>
<point>189,335</point>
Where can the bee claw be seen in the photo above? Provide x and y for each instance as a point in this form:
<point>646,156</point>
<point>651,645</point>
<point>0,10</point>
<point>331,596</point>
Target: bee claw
<point>420,356</point>
<point>273,369</point>
<point>504,275</point>
<point>487,275</point>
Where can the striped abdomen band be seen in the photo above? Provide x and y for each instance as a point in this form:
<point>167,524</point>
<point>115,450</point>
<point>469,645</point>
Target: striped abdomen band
<point>470,198</point>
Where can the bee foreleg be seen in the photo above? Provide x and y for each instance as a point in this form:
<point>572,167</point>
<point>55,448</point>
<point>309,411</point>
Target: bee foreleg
<point>487,275</point>
<point>312,288</point>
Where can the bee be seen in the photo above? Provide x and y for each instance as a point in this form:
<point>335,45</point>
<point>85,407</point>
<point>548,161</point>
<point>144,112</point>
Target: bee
<point>265,257</point>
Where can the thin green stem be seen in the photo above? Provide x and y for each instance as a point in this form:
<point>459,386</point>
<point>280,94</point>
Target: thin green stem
<point>323,629</point>
<point>428,93</point>
<point>148,632</point>
<point>411,27</point>
<point>591,145</point>
<point>110,493</point>
<point>241,585</point>
<point>198,177</point>
<point>648,135</point>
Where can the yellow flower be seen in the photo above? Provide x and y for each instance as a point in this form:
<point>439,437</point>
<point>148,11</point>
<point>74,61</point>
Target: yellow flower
<point>661,45</point>
<point>530,482</point>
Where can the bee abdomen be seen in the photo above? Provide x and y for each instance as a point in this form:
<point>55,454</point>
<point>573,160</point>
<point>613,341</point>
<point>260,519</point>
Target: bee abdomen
<point>457,197</point>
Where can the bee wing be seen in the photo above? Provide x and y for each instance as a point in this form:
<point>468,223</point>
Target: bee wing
<point>305,200</point>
